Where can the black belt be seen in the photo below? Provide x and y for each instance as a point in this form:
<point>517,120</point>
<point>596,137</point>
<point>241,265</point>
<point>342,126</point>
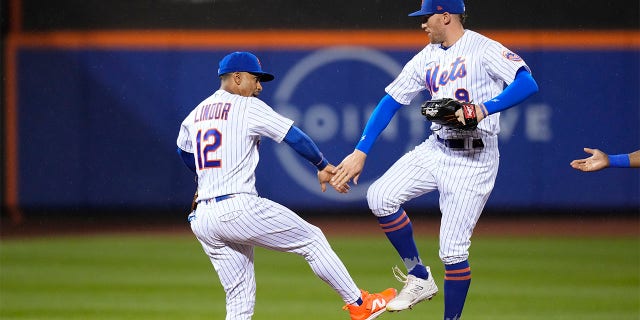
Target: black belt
<point>220,198</point>
<point>462,143</point>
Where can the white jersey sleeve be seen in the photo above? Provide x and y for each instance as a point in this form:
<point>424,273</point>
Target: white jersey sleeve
<point>264,121</point>
<point>501,62</point>
<point>184,141</point>
<point>409,82</point>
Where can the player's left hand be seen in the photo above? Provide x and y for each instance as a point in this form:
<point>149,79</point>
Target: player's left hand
<point>325,176</point>
<point>452,113</point>
<point>480,113</point>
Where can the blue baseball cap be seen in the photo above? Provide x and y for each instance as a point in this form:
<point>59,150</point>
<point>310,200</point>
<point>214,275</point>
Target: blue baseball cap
<point>243,62</point>
<point>439,6</point>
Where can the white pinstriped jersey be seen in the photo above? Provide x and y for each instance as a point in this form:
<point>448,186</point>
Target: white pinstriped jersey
<point>474,69</point>
<point>223,132</point>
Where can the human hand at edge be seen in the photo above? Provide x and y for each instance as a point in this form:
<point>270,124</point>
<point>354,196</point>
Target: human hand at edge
<point>598,161</point>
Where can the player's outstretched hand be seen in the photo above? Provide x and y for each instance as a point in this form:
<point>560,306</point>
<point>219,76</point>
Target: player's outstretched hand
<point>598,161</point>
<point>349,168</point>
<point>325,176</point>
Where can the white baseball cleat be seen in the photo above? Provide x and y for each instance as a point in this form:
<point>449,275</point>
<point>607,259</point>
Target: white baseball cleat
<point>414,290</point>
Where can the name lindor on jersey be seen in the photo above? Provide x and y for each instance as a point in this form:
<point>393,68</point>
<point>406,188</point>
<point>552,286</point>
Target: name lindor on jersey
<point>218,111</point>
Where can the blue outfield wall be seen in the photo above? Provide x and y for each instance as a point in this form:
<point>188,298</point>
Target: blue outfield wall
<point>97,127</point>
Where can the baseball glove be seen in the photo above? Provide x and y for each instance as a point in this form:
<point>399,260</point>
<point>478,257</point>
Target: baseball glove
<point>443,112</point>
<point>194,204</point>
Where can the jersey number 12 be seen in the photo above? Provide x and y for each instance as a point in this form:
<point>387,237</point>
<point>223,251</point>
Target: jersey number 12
<point>209,142</point>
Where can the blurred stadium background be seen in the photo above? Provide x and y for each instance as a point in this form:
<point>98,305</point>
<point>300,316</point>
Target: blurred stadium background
<point>94,92</point>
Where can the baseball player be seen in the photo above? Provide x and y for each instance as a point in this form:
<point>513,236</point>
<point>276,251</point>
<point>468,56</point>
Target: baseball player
<point>460,164</point>
<point>219,141</point>
<point>600,160</point>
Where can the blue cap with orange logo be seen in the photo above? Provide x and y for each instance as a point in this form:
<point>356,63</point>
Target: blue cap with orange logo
<point>439,6</point>
<point>243,62</point>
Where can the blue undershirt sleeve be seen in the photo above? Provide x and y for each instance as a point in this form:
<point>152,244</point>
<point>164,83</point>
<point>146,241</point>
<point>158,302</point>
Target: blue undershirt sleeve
<point>304,146</point>
<point>522,87</point>
<point>188,159</point>
<point>378,121</point>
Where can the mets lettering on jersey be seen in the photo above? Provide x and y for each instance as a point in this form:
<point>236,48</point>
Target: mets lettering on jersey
<point>436,78</point>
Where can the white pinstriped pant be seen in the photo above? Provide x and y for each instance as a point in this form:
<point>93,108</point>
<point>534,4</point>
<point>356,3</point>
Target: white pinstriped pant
<point>228,231</point>
<point>464,179</point>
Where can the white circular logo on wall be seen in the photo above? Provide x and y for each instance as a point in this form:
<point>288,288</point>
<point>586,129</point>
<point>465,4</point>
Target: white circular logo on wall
<point>321,121</point>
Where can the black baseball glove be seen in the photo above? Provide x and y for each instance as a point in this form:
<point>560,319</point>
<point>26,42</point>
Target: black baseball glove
<point>194,202</point>
<point>443,112</point>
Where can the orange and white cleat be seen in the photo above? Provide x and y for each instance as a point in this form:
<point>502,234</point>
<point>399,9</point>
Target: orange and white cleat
<point>373,304</point>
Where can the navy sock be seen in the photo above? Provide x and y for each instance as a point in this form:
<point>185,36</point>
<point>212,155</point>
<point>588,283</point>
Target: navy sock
<point>358,302</point>
<point>457,280</point>
<point>398,229</point>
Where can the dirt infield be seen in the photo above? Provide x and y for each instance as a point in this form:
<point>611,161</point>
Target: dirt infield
<point>595,226</point>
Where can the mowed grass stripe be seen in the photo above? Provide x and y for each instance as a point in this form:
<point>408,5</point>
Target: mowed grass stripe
<point>168,277</point>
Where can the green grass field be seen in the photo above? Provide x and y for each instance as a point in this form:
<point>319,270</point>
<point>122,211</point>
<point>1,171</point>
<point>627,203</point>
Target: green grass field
<point>169,277</point>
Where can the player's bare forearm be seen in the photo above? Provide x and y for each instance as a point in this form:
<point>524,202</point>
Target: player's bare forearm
<point>349,168</point>
<point>325,176</point>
